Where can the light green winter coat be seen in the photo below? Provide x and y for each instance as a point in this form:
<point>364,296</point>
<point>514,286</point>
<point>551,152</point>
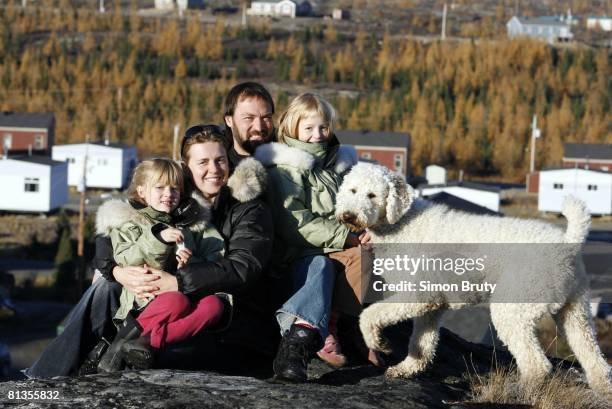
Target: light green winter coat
<point>303,181</point>
<point>131,231</point>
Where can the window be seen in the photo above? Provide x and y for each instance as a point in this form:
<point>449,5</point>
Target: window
<point>7,141</point>
<point>70,160</point>
<point>102,162</point>
<point>39,141</point>
<point>366,155</point>
<point>31,185</point>
<point>592,187</point>
<point>397,161</point>
<point>558,186</point>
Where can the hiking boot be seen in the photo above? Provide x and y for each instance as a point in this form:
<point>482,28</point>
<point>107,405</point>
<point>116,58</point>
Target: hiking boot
<point>112,360</point>
<point>331,352</point>
<point>296,349</point>
<point>138,353</point>
<point>90,364</point>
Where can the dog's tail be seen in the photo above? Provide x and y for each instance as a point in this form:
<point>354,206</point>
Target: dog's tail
<point>578,220</point>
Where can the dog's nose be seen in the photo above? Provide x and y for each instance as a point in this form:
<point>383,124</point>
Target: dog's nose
<point>348,217</point>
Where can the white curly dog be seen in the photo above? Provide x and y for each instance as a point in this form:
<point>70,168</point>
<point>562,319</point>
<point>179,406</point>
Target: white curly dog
<point>373,197</point>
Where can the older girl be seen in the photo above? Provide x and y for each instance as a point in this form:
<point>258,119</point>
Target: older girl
<point>305,170</point>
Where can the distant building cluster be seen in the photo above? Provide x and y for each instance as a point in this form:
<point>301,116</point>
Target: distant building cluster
<point>282,8</point>
<point>550,29</point>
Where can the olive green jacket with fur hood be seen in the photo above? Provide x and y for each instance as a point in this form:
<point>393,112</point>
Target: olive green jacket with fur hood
<point>303,180</point>
<point>134,232</point>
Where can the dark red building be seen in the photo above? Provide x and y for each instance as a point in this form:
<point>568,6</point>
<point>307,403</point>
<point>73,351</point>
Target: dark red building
<point>20,131</point>
<point>390,149</point>
<point>595,156</point>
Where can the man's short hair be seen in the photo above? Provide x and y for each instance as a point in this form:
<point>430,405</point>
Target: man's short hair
<point>246,90</point>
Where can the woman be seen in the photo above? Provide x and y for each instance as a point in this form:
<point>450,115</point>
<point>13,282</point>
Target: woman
<point>245,224</point>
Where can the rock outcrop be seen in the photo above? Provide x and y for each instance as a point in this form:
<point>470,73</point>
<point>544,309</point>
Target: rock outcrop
<point>362,386</point>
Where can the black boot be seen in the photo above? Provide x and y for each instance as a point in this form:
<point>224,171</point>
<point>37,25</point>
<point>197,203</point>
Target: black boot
<point>112,360</point>
<point>296,349</point>
<point>138,353</point>
<point>90,364</point>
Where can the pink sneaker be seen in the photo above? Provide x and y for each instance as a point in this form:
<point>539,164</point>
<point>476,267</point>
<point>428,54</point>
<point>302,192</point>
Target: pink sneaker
<point>331,352</point>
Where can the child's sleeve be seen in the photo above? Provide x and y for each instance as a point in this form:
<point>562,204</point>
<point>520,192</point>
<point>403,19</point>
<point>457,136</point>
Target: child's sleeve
<point>314,230</point>
<point>135,245</point>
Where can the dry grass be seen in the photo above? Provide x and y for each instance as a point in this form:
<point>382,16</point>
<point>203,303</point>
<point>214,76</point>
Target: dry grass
<point>562,390</point>
<point>554,342</point>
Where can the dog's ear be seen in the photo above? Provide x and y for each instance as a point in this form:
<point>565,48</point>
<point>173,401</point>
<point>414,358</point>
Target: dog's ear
<point>399,199</point>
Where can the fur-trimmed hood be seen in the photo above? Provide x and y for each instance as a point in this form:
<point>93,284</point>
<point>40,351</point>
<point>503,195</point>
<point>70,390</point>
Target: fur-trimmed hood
<point>281,154</point>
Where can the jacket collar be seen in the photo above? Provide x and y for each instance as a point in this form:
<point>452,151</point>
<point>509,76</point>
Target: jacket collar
<point>340,158</point>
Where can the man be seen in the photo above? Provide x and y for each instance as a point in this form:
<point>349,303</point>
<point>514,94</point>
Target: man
<point>248,118</point>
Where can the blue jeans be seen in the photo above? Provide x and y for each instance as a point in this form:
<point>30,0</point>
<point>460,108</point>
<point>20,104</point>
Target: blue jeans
<point>310,287</point>
<point>88,321</point>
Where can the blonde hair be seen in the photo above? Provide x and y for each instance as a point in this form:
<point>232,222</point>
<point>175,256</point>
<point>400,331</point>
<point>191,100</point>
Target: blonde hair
<point>152,171</point>
<point>299,108</point>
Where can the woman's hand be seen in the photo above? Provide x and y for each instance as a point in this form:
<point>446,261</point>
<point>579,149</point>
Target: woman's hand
<point>172,235</point>
<point>365,238</point>
<point>137,280</point>
<point>166,282</point>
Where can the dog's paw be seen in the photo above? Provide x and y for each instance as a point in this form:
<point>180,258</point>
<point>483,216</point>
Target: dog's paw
<point>405,369</point>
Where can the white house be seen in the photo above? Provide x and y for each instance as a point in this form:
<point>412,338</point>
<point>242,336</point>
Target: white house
<point>484,196</point>
<point>33,184</point>
<point>181,5</point>
<point>594,187</point>
<point>551,29</point>
<point>282,8</point>
<point>602,22</point>
<point>435,175</point>
<point>109,166</point>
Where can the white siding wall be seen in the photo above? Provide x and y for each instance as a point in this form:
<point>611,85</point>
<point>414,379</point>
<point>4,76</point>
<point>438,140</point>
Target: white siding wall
<point>104,165</point>
<point>575,182</point>
<point>13,176</point>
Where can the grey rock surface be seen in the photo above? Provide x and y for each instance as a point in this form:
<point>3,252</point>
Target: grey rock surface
<point>361,386</point>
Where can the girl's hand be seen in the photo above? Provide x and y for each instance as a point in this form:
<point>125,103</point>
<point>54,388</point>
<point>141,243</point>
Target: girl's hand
<point>365,238</point>
<point>182,256</point>
<point>172,235</point>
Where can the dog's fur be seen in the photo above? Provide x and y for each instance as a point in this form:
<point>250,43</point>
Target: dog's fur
<point>373,197</point>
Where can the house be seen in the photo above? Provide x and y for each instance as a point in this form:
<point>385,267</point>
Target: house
<point>599,22</point>
<point>21,132</point>
<point>550,29</point>
<point>592,186</point>
<point>476,193</point>
<point>33,184</point>
<point>109,165</point>
<point>390,149</point>
<point>588,156</point>
<point>341,14</point>
<point>596,156</point>
<point>282,8</point>
<point>435,175</point>
<point>179,4</point>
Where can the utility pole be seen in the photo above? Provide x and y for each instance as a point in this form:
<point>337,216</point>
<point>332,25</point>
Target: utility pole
<point>535,133</point>
<point>177,128</point>
<point>443,33</point>
<point>102,9</point>
<point>82,187</point>
<point>24,3</point>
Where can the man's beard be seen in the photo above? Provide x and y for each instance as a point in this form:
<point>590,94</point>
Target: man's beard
<point>250,145</point>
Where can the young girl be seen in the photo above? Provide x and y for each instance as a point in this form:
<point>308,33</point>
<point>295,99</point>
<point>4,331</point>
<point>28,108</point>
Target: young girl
<point>305,170</point>
<point>153,230</point>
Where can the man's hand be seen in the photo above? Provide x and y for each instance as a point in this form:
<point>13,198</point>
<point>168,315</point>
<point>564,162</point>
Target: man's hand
<point>137,280</point>
<point>172,235</point>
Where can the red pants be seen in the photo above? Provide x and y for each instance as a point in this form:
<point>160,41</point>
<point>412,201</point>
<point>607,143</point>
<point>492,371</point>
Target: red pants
<point>171,317</point>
